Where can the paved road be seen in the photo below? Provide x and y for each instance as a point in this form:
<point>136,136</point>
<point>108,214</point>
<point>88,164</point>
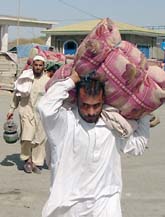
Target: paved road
<point>144,176</point>
<point>23,195</point>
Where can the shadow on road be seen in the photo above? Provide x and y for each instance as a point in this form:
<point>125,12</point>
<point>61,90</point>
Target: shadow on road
<point>14,159</point>
<point>11,160</point>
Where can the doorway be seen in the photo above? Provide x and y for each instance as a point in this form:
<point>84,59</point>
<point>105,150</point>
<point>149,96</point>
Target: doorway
<point>70,47</point>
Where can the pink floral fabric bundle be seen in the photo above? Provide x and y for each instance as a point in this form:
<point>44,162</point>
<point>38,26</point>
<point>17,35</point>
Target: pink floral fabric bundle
<point>63,72</point>
<point>96,46</point>
<point>131,84</point>
<point>129,88</point>
<point>48,55</point>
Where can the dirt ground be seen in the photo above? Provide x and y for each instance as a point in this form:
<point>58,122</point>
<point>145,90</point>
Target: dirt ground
<point>23,195</point>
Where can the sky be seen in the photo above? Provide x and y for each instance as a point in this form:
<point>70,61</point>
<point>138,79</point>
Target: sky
<point>65,12</point>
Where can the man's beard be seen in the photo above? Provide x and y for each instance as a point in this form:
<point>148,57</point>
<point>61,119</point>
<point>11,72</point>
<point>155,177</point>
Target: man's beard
<point>90,118</point>
<point>37,74</point>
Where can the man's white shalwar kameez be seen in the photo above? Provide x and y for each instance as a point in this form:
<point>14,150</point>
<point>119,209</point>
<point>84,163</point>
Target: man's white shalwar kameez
<point>85,159</point>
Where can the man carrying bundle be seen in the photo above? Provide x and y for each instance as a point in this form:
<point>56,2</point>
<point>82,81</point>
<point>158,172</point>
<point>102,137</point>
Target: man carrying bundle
<point>85,149</point>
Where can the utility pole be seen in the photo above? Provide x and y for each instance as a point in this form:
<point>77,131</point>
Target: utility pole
<point>18,20</point>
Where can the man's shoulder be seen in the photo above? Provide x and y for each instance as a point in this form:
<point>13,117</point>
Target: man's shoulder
<point>27,73</point>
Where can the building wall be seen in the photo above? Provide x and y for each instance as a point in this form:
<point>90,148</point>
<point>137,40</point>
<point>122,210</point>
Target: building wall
<point>4,38</point>
<point>140,41</point>
<point>157,53</point>
<point>59,41</point>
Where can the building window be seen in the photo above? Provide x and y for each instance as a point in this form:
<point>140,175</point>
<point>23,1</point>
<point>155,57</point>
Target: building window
<point>70,47</point>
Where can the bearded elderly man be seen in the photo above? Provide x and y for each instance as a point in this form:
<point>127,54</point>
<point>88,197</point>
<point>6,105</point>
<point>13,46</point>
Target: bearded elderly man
<point>85,149</point>
<point>29,87</point>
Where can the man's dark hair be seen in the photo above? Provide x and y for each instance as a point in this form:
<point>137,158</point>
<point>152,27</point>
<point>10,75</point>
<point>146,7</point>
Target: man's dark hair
<point>91,85</point>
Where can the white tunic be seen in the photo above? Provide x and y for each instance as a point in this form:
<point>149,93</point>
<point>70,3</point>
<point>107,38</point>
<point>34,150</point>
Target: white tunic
<point>85,158</point>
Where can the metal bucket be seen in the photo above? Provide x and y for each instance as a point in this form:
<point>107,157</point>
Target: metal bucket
<point>10,133</point>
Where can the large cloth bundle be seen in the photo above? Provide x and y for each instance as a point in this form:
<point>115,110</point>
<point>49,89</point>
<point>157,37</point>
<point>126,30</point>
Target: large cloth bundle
<point>56,57</point>
<point>51,56</point>
<point>96,46</point>
<point>131,85</point>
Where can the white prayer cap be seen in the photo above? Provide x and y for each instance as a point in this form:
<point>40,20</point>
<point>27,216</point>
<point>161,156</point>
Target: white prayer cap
<point>38,57</point>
